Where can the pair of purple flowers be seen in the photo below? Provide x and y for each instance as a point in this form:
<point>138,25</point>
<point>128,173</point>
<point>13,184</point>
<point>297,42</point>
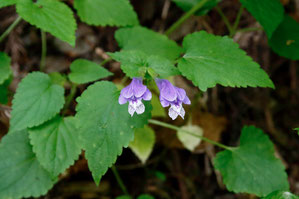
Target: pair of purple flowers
<point>135,92</point>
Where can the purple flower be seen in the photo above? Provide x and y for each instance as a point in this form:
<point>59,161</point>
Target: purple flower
<point>173,96</point>
<point>134,93</point>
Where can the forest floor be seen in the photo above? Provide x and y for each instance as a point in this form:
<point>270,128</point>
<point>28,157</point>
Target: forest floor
<point>171,171</point>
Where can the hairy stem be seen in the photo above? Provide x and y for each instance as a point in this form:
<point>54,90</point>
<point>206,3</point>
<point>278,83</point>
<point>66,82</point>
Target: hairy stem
<point>186,16</point>
<point>44,51</point>
<point>237,21</point>
<point>119,180</point>
<point>225,20</point>
<point>10,28</point>
<point>173,127</point>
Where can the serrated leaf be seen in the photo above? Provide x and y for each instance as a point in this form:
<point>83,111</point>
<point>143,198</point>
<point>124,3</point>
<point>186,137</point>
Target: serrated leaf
<point>51,16</point>
<point>137,63</point>
<point>56,144</point>
<point>105,126</point>
<point>211,60</point>
<point>281,195</point>
<point>4,3</point>
<point>269,13</point>
<point>285,39</point>
<point>21,175</point>
<point>5,70</point>
<point>36,101</point>
<point>103,12</point>
<point>252,167</point>
<point>190,142</point>
<point>84,71</point>
<point>58,78</point>
<point>186,5</point>
<point>143,143</point>
<point>150,42</point>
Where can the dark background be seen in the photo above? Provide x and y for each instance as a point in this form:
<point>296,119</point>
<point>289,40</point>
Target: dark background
<point>171,171</point>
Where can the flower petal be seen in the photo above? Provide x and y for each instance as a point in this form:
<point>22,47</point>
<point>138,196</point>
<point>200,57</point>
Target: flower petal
<point>147,95</point>
<point>122,99</point>
<point>186,100</point>
<point>172,113</point>
<point>167,90</point>
<point>138,88</point>
<point>181,93</point>
<point>164,102</point>
<point>127,92</point>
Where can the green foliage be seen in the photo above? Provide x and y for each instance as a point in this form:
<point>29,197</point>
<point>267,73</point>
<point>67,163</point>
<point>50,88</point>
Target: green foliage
<point>56,144</point>
<point>4,92</point>
<point>285,39</point>
<point>137,63</point>
<point>5,70</point>
<point>51,16</point>
<point>84,71</point>
<point>143,143</point>
<point>186,5</point>
<point>297,129</point>
<point>145,196</point>
<point>58,78</point>
<point>252,167</point>
<point>21,175</point>
<point>103,12</point>
<point>36,101</point>
<point>145,40</point>
<point>211,60</point>
<point>268,12</point>
<point>158,110</point>
<point>4,3</point>
<point>281,195</point>
<point>140,120</point>
<point>105,126</point>
<point>124,197</point>
<point>190,142</point>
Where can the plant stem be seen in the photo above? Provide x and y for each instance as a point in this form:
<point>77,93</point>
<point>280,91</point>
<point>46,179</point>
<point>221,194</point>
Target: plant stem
<point>237,21</point>
<point>186,16</point>
<point>225,20</point>
<point>170,126</point>
<point>10,28</point>
<point>250,29</point>
<point>44,51</point>
<point>106,61</point>
<point>69,98</point>
<point>119,180</point>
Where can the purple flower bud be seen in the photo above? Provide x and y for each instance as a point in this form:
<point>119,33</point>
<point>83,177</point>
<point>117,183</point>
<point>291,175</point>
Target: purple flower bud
<point>134,93</point>
<point>173,96</point>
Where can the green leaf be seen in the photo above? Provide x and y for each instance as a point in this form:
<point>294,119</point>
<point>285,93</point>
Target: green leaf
<point>36,101</point>
<point>21,175</point>
<point>150,42</point>
<point>4,92</point>
<point>252,167</point>
<point>4,3</point>
<point>51,16</point>
<point>5,70</point>
<point>297,129</point>
<point>186,5</point>
<point>269,13</point>
<point>58,78</point>
<point>140,120</point>
<point>84,71</point>
<point>211,60</point>
<point>105,126</point>
<point>190,142</point>
<point>281,195</point>
<point>285,39</point>
<point>124,197</point>
<point>143,143</point>
<point>103,12</point>
<point>137,63</point>
<point>145,196</point>
<point>56,144</point>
